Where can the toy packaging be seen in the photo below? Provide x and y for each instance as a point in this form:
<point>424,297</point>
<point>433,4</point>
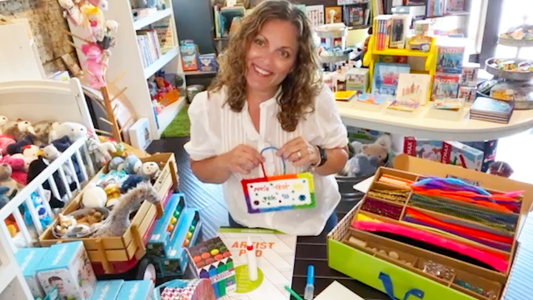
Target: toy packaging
<point>459,154</point>
<point>489,152</point>
<point>414,87</point>
<point>423,148</point>
<point>208,62</point>
<point>212,259</point>
<point>28,260</point>
<point>468,94</point>
<point>445,86</point>
<point>189,56</point>
<point>107,289</point>
<point>469,75</point>
<point>136,290</point>
<point>67,267</point>
<point>385,79</point>
<point>357,80</point>
<point>167,227</point>
<point>450,59</point>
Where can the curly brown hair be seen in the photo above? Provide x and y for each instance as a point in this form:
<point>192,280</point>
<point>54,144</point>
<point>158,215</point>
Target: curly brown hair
<point>298,89</point>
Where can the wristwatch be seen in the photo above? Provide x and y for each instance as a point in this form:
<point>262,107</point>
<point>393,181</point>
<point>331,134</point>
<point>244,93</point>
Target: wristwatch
<point>323,156</point>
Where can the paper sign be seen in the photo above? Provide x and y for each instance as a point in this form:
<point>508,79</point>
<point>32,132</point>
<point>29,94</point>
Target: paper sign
<point>337,291</point>
<point>277,193</point>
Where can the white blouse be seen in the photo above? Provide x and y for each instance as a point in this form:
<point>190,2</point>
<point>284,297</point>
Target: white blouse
<point>216,129</point>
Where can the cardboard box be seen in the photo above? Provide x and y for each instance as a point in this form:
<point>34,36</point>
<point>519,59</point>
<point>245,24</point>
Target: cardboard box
<point>107,289</point>
<point>67,267</point>
<point>136,290</point>
<point>373,268</point>
<point>357,80</point>
<point>489,152</point>
<point>28,260</point>
<point>423,148</point>
<point>459,154</point>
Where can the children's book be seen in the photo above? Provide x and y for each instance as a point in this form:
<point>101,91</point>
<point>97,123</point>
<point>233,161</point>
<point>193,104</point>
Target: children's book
<point>344,95</point>
<point>492,110</point>
<point>414,87</point>
<point>449,103</point>
<point>275,253</point>
<point>404,105</point>
<point>374,99</point>
<point>455,5</point>
<point>450,59</point>
<point>386,76</point>
<point>445,86</point>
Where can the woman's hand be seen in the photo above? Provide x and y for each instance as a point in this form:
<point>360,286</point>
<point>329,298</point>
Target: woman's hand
<point>299,152</point>
<point>243,159</point>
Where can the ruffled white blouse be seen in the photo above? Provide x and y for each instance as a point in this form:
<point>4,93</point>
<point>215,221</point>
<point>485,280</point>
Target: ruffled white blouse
<point>216,129</point>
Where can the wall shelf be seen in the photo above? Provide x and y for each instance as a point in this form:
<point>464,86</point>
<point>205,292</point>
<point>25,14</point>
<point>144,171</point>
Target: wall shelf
<point>161,62</point>
<point>150,19</point>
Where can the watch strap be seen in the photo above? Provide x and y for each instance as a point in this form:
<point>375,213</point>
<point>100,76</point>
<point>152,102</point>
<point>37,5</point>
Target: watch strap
<point>323,156</point>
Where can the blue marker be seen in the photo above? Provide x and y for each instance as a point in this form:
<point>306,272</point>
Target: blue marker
<point>310,287</point>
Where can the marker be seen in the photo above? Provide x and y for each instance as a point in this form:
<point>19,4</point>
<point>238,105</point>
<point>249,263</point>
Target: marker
<point>310,287</point>
<point>252,262</point>
<point>293,293</point>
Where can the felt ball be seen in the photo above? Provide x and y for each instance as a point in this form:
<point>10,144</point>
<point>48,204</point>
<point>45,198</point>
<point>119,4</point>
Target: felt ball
<point>214,252</point>
<point>197,259</point>
<point>226,254</point>
<point>173,220</point>
<point>192,228</point>
<point>177,214</point>
<point>189,235</point>
<point>219,257</point>
<point>170,227</point>
<point>186,243</point>
<point>206,255</point>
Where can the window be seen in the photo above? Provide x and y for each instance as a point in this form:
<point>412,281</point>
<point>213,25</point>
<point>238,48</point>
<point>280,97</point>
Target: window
<point>512,15</point>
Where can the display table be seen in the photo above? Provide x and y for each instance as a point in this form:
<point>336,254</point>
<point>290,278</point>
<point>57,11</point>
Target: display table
<point>422,126</point>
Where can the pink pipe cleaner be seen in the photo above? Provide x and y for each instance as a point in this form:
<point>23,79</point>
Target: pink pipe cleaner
<point>494,260</point>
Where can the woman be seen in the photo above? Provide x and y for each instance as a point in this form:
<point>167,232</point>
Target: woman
<point>267,94</point>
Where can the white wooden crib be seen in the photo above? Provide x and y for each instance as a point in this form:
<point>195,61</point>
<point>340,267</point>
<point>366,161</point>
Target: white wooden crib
<point>38,101</point>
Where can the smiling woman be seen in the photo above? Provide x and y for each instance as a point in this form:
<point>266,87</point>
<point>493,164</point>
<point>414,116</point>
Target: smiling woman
<point>267,95</point>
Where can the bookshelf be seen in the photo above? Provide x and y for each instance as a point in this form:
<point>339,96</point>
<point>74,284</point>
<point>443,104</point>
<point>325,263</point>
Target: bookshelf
<point>135,59</point>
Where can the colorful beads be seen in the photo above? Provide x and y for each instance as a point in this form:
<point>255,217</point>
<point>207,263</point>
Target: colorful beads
<point>490,294</point>
<point>382,208</point>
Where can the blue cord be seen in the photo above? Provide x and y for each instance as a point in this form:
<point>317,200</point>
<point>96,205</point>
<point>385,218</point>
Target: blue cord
<point>282,159</point>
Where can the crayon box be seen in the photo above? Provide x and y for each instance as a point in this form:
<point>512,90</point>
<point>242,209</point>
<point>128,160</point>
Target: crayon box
<point>459,154</point>
<point>212,260</point>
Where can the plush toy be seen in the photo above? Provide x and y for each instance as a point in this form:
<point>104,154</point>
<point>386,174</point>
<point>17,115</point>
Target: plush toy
<point>367,158</point>
<point>31,151</point>
<point>380,148</point>
<point>39,165</point>
<point>62,144</point>
<point>90,218</point>
<point>131,182</point>
<point>119,219</point>
<point>150,170</point>
<point>361,166</point>
<point>43,215</point>
<point>65,223</point>
<point>113,193</point>
<point>93,196</point>
<point>73,130</point>
<point>72,12</point>
<point>132,164</point>
<point>3,121</point>
<point>42,133</point>
<point>5,141</point>
<point>6,180</point>
<point>19,145</point>
<point>18,129</point>
<point>94,20</point>
<point>102,4</point>
<point>95,64</point>
<point>18,168</point>
<point>51,153</point>
<point>500,168</point>
<point>4,199</point>
<point>116,163</point>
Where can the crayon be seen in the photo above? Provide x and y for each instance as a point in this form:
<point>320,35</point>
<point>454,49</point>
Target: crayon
<point>213,273</point>
<point>222,283</point>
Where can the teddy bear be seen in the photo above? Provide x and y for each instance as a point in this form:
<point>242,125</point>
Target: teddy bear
<point>73,130</point>
<point>367,157</point>
<point>42,132</point>
<point>93,196</point>
<point>92,217</point>
<point>6,180</point>
<point>17,129</point>
<point>150,170</point>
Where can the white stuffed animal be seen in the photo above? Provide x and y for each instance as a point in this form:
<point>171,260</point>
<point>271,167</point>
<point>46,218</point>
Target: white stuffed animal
<point>72,12</point>
<point>74,131</point>
<point>3,121</point>
<point>150,170</point>
<point>93,196</point>
<point>31,151</point>
<point>51,153</point>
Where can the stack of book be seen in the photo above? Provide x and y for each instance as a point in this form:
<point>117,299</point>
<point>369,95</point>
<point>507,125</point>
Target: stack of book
<point>492,110</point>
<point>148,41</point>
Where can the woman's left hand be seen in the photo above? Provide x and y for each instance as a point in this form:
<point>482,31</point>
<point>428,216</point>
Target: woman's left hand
<point>299,152</point>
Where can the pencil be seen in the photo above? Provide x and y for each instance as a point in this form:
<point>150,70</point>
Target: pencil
<point>293,293</point>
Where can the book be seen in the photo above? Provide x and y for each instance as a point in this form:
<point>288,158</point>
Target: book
<point>455,5</point>
<point>382,23</point>
<point>449,104</point>
<point>450,59</point>
<point>445,86</point>
<point>404,105</point>
<point>344,95</point>
<point>413,87</point>
<point>357,79</point>
<point>492,110</point>
<point>385,78</point>
<point>374,99</point>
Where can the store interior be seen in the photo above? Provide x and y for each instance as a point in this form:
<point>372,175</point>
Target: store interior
<point>109,191</point>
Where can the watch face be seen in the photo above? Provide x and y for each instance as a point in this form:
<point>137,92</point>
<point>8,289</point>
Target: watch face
<point>323,156</point>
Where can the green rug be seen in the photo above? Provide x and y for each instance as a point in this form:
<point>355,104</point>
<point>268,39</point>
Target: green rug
<point>180,126</point>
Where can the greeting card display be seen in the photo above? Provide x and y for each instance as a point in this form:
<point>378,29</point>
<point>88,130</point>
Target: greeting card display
<point>276,193</point>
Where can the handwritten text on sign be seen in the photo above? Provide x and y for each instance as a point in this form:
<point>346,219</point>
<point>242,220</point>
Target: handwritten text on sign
<point>280,193</point>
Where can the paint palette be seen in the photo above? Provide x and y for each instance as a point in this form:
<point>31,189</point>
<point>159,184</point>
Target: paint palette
<point>212,260</point>
<point>285,192</point>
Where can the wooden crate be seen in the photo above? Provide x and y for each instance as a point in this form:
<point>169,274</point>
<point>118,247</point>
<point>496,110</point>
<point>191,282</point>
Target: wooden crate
<point>131,244</point>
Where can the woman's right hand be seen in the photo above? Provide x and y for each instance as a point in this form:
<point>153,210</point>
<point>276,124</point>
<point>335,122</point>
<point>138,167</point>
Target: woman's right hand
<point>243,159</point>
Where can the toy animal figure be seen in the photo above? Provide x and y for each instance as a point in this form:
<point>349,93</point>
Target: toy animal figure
<point>18,147</point>
<point>94,63</point>
<point>150,170</point>
<point>71,12</point>
<point>3,121</point>
<point>51,153</point>
<point>93,196</point>
<point>42,132</point>
<point>74,131</point>
<point>18,168</point>
<point>119,219</point>
<point>17,130</point>
<point>6,180</point>
<point>132,164</point>
<point>116,163</point>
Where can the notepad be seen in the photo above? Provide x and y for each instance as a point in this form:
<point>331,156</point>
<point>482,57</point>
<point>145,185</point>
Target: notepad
<point>337,291</point>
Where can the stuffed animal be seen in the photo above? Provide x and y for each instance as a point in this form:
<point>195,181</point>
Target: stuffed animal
<point>6,180</point>
<point>62,144</point>
<point>93,196</point>
<point>4,199</point>
<point>367,157</point>
<point>92,217</point>
<point>19,145</point>
<point>17,130</point>
<point>5,141</point>
<point>94,20</point>
<point>380,148</point>
<point>18,168</point>
<point>101,151</point>
<point>119,219</point>
<point>361,166</point>
<point>132,164</point>
<point>3,121</point>
<point>65,223</point>
<point>39,165</point>
<point>73,130</point>
<point>42,133</point>
<point>500,168</point>
<point>51,153</point>
<point>131,182</point>
<point>31,151</point>
<point>116,163</point>
<point>44,217</point>
<point>95,64</point>
<point>150,170</point>
<point>112,191</point>
<point>72,12</point>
